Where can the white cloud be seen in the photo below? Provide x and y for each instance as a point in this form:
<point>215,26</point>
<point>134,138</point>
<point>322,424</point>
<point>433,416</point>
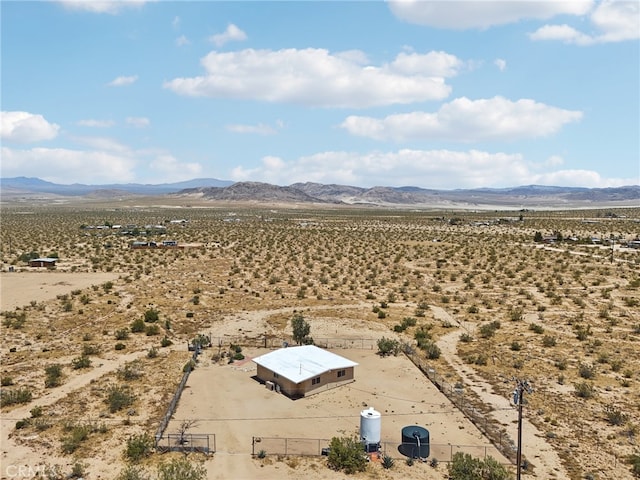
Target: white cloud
<point>437,64</point>
<point>231,34</point>
<point>138,122</point>
<point>563,32</point>
<point>67,166</point>
<point>175,23</point>
<point>468,14</point>
<point>440,169</point>
<point>465,120</point>
<point>435,168</point>
<point>165,166</point>
<point>25,127</point>
<point>181,41</point>
<point>96,123</point>
<point>122,81</point>
<point>260,129</point>
<point>112,7</point>
<point>580,178</point>
<point>500,63</point>
<point>315,77</point>
<point>613,21</point>
<point>102,143</point>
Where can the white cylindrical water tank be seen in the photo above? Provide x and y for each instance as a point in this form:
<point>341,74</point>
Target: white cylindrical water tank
<point>370,422</point>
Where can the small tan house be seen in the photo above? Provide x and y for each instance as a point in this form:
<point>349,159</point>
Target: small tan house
<point>304,370</point>
<point>43,262</point>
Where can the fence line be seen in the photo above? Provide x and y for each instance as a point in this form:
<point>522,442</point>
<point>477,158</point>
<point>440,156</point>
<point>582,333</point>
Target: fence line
<point>278,342</point>
<point>312,447</point>
<point>174,401</point>
<point>187,442</point>
<point>455,393</point>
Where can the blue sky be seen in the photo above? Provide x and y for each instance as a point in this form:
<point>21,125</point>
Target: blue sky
<point>447,94</point>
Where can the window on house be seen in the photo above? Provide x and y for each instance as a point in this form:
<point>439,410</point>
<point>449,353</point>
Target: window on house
<point>315,381</point>
<point>341,373</point>
<point>275,375</point>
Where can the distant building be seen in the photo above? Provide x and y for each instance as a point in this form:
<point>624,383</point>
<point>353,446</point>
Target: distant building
<point>43,262</point>
<point>301,371</point>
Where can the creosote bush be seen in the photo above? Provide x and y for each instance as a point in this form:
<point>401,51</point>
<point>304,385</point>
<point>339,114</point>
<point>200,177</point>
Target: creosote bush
<point>346,454</point>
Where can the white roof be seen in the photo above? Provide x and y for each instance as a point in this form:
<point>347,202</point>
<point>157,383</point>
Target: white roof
<point>302,363</point>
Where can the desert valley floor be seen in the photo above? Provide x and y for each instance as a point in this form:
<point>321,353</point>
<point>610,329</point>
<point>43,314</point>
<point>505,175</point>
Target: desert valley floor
<point>475,302</point>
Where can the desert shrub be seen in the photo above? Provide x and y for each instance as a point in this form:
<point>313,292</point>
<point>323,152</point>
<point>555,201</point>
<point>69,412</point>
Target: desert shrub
<point>139,446</point>
<point>151,316</point>
<point>346,454</point>
<point>132,472</point>
<point>81,362</point>
<point>190,365</point>
<point>151,330</point>
<point>585,390</point>
<point>78,470</point>
<point>24,423</point>
<point>120,346</point>
<point>466,338</point>
<point>586,370</point>
<point>14,396</point>
<point>138,325</point>
<point>615,416</point>
<point>53,375</point>
<point>465,467</point>
<point>77,435</point>
<point>387,346</point>
<point>130,371</point>
<point>516,314</point>
<point>119,397</point>
<point>431,349</point>
<point>181,469</point>
<point>36,411</point>
<point>488,330</point>
<point>634,461</point>
<point>536,328</point>
<point>6,381</point>
<point>549,341</point>
<point>122,334</point>
<point>165,342</point>
<point>14,319</point>
<point>152,353</point>
<point>90,350</point>
<point>387,462</point>
<point>516,346</point>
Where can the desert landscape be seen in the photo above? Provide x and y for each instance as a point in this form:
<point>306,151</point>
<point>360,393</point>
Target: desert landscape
<point>95,348</point>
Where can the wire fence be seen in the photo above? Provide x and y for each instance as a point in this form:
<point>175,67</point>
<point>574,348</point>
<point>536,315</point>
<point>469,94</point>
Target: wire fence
<point>319,446</point>
<point>174,400</point>
<point>187,442</point>
<point>478,414</point>
<point>286,341</point>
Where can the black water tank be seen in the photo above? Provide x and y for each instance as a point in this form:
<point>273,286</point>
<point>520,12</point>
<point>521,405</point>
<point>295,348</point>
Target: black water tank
<point>415,442</point>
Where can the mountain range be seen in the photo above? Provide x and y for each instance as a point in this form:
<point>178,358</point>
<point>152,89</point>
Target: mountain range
<point>211,189</point>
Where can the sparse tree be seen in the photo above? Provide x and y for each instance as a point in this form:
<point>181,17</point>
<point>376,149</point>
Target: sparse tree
<point>301,330</point>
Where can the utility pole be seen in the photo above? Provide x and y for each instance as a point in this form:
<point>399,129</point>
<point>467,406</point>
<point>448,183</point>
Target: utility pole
<point>518,399</point>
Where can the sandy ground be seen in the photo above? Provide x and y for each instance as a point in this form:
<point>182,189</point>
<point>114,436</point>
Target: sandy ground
<point>227,401</point>
<point>534,447</point>
<point>43,285</point>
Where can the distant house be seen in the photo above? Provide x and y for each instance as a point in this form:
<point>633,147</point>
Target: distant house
<point>169,243</point>
<point>304,370</point>
<point>43,262</point>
